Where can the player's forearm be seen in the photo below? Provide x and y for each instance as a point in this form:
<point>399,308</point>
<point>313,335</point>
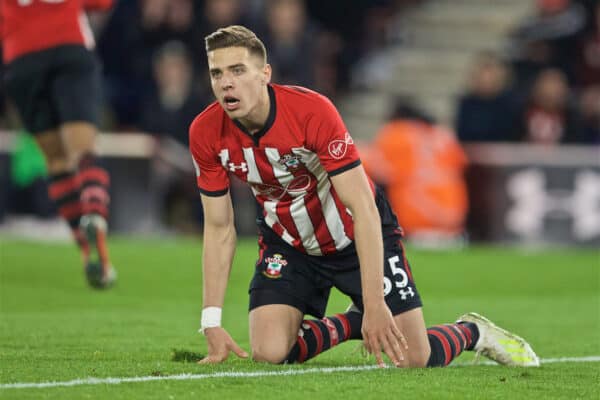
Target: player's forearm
<point>219,247</point>
<point>369,246</point>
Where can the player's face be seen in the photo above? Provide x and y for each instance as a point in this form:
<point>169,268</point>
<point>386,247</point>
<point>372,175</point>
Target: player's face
<point>238,80</point>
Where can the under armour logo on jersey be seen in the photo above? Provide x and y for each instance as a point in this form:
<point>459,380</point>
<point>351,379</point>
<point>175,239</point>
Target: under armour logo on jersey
<point>241,166</point>
<point>338,148</point>
<point>533,203</point>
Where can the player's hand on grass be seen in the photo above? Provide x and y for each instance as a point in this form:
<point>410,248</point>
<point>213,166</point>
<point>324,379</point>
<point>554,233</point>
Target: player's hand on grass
<point>380,332</point>
<point>220,344</point>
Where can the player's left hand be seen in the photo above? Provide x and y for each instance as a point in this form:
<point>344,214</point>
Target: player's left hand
<point>379,332</point>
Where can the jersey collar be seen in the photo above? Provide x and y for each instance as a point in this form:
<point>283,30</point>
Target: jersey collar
<point>270,119</point>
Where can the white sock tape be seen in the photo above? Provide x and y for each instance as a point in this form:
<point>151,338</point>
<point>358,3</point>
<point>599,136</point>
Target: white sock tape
<point>211,318</point>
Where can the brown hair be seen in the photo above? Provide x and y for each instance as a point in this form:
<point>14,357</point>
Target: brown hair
<point>236,36</point>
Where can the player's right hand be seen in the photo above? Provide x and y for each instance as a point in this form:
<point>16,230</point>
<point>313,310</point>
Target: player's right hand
<point>380,332</point>
<point>220,344</point>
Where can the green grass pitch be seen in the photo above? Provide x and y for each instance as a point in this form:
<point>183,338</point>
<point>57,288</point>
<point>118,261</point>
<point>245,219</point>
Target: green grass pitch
<point>53,328</point>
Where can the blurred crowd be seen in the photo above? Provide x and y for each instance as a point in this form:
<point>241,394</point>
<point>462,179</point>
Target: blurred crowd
<point>546,87</point>
<point>155,63</point>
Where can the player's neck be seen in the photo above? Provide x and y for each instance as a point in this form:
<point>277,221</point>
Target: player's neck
<point>257,118</point>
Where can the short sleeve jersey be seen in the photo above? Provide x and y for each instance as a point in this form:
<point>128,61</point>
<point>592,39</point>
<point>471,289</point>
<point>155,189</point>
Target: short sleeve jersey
<point>288,165</point>
<point>33,25</point>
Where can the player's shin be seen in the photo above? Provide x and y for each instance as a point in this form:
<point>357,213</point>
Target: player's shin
<point>448,342</point>
<point>64,191</point>
<point>317,336</point>
<point>95,199</point>
<point>95,183</point>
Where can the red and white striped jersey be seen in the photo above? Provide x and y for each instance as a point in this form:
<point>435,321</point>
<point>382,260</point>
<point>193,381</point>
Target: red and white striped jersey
<point>34,25</point>
<point>287,165</point>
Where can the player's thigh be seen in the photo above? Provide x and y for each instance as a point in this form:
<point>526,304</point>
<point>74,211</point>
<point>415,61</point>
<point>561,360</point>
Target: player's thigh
<point>399,287</point>
<point>283,275</point>
<point>273,331</point>
<point>76,86</point>
<point>27,84</point>
<point>412,325</point>
<point>284,288</point>
<point>403,298</point>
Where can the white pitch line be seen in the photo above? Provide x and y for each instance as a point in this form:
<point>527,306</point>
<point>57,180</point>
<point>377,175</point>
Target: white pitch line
<point>542,361</point>
<point>232,374</point>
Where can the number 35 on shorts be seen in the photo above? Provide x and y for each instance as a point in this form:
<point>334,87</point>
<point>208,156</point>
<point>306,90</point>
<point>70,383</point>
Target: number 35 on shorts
<point>400,280</point>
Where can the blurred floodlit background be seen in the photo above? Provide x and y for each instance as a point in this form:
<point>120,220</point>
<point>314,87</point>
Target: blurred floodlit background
<point>481,118</point>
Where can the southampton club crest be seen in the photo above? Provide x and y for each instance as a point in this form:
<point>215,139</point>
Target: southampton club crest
<point>290,161</point>
<point>274,265</point>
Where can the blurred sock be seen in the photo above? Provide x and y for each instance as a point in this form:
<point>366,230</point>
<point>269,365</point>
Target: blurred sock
<point>64,191</point>
<point>95,184</point>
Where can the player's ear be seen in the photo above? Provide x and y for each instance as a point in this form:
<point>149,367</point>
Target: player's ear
<point>267,71</point>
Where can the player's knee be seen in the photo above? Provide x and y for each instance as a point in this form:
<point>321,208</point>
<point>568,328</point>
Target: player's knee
<point>271,354</point>
<point>418,359</point>
<point>57,165</point>
<point>54,153</point>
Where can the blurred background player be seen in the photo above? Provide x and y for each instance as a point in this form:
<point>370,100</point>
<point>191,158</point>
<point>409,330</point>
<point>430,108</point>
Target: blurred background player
<point>53,78</point>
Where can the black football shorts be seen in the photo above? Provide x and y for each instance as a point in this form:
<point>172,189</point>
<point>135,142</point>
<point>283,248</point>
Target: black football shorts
<point>284,275</point>
<point>54,86</point>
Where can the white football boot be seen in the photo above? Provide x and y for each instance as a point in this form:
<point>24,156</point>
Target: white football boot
<point>500,345</point>
<point>353,308</point>
<point>99,271</point>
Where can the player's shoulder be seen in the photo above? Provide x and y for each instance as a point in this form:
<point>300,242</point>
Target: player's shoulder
<point>295,91</point>
<point>304,98</point>
<point>207,120</point>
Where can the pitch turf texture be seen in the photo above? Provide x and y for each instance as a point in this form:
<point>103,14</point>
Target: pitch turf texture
<point>53,328</point>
